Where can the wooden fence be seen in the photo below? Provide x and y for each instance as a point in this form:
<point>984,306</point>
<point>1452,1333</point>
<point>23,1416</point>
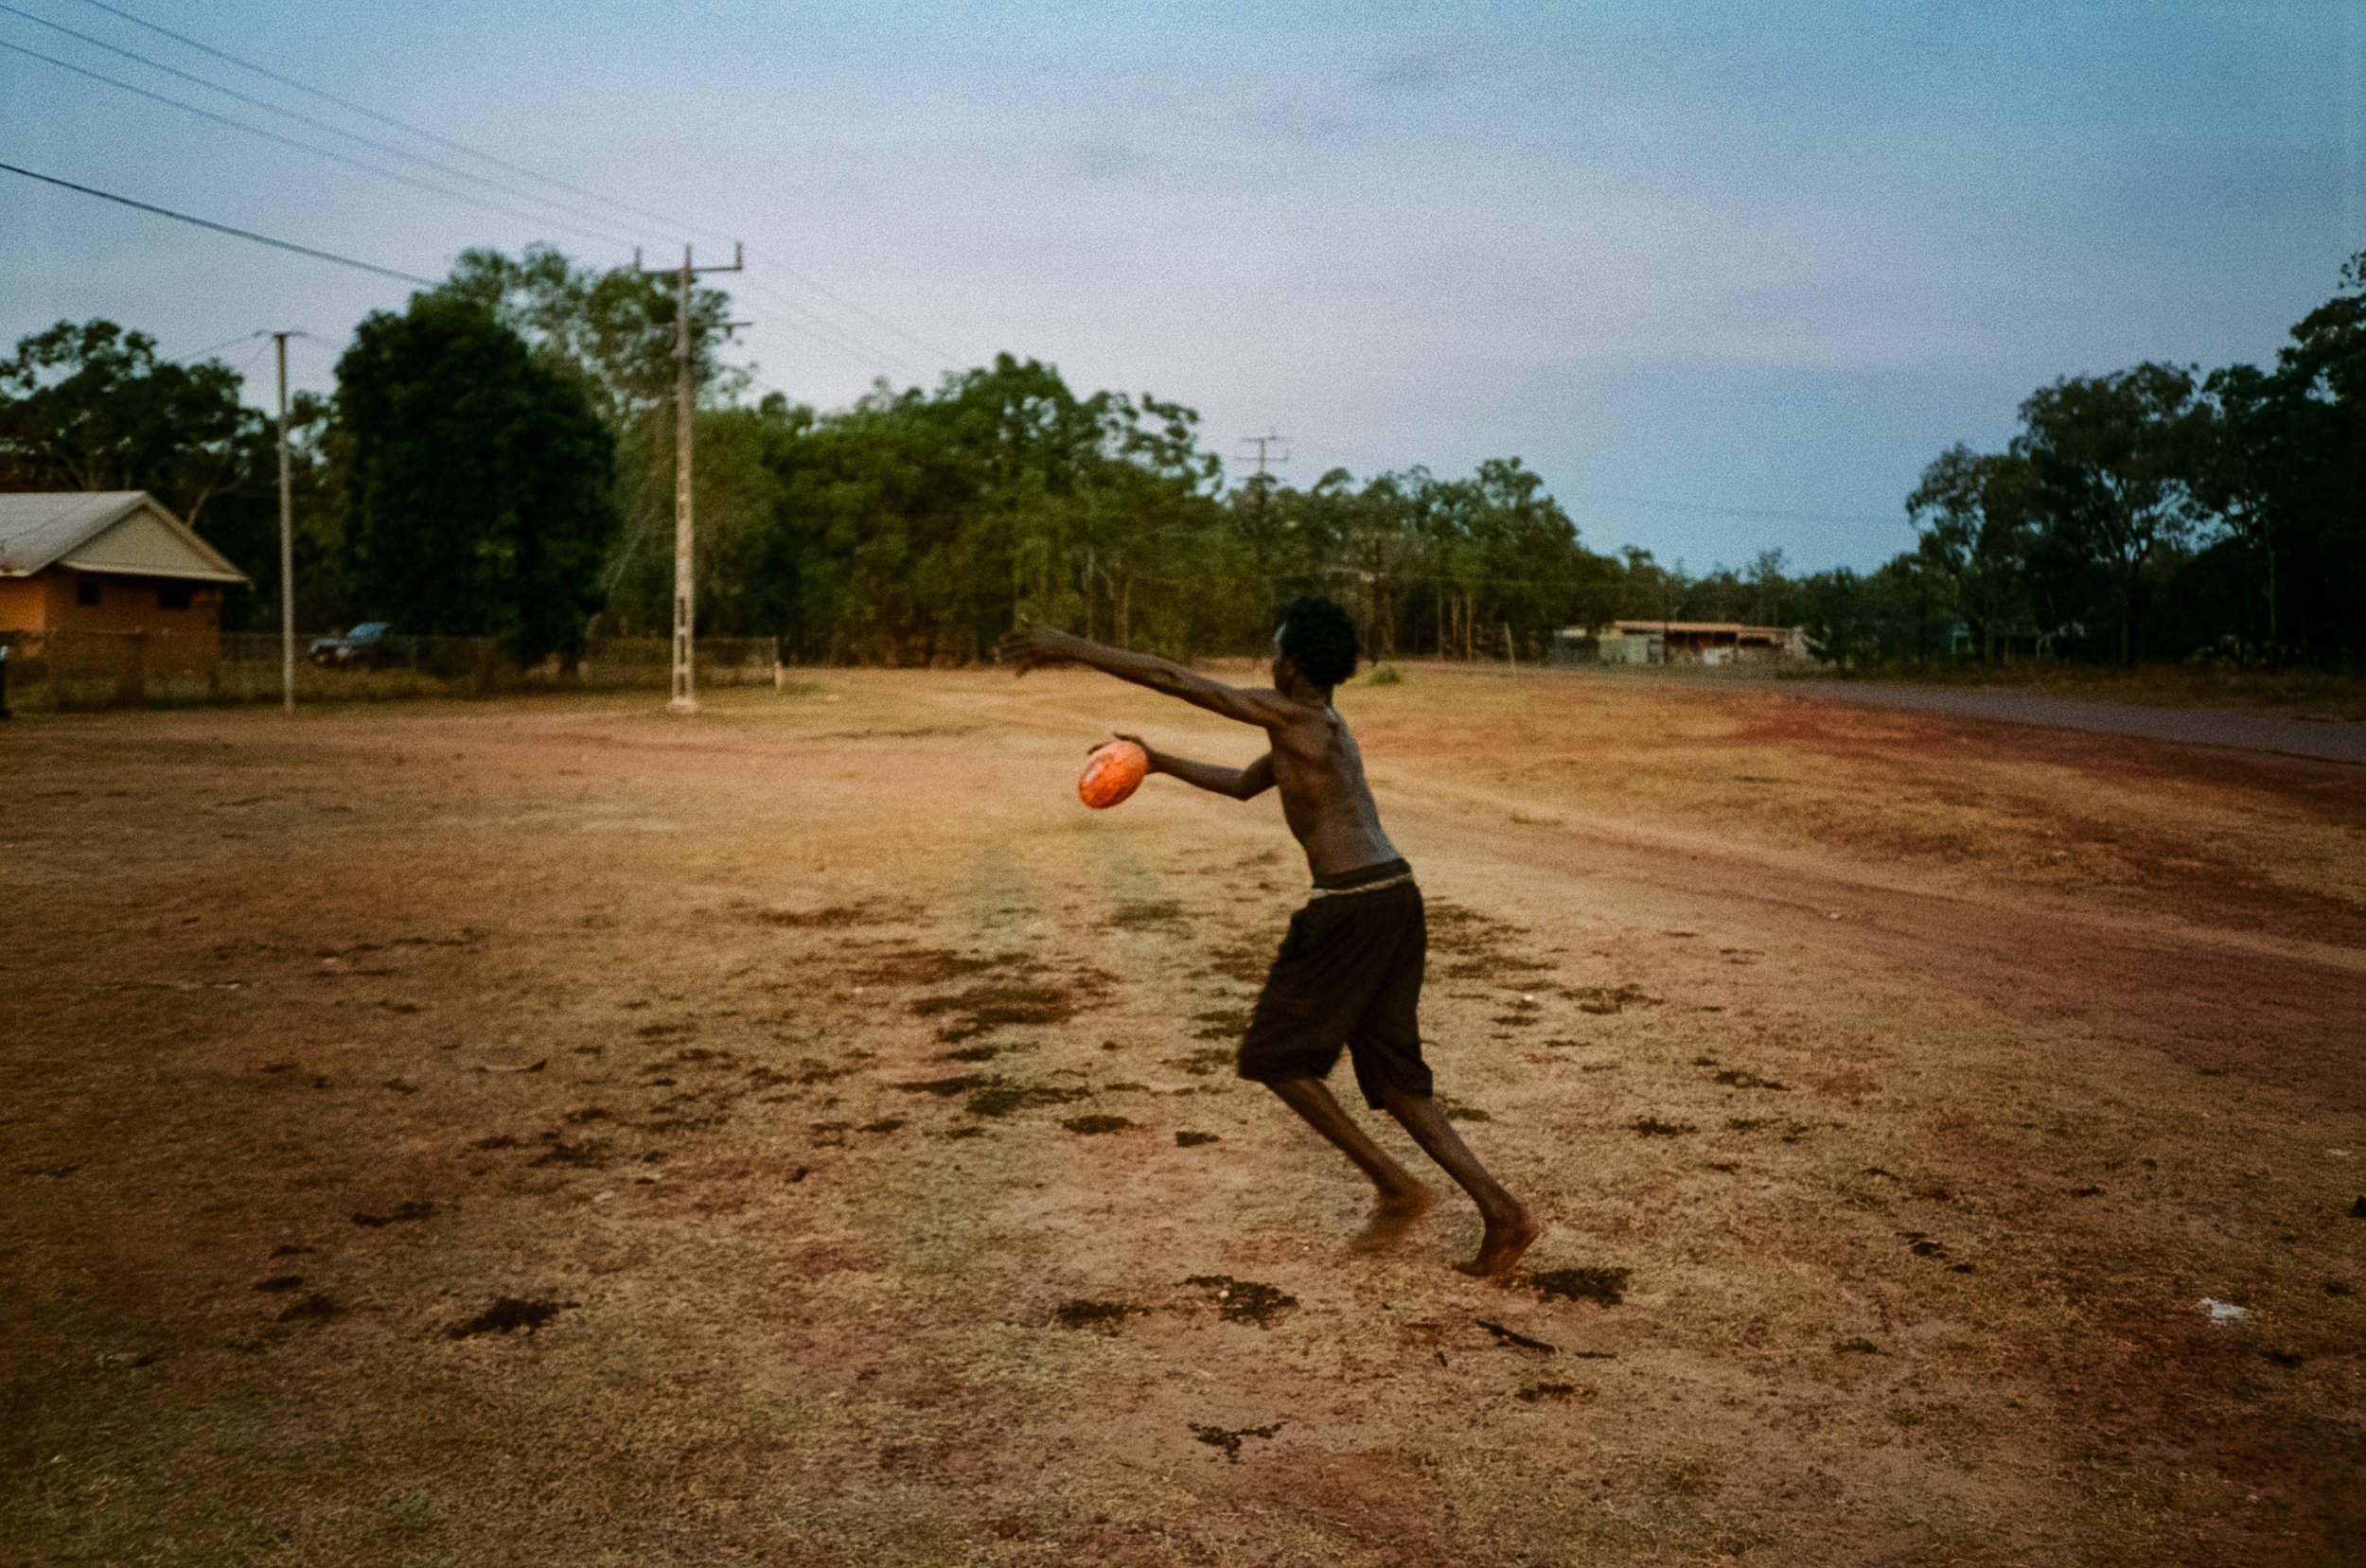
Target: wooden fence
<point>80,671</point>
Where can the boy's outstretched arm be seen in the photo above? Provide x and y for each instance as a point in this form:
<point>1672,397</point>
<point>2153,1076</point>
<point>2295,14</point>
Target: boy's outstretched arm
<point>1031,647</point>
<point>1241,783</point>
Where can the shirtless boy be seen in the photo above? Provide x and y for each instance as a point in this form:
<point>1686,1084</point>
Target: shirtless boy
<point>1349,971</point>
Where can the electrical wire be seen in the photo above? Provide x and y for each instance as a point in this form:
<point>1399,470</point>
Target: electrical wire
<point>820,332</point>
<point>351,106</point>
<point>205,353</point>
<point>307,147</point>
<point>1774,514</point>
<point>222,228</point>
<point>1593,498</point>
<point>820,329</point>
<point>447,142</point>
<point>827,330</point>
<point>300,118</point>
<point>827,293</point>
<point>247,369</point>
<point>852,352</point>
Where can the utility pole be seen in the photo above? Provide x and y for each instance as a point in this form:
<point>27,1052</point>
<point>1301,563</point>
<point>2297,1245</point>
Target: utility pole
<point>1271,438</point>
<point>1261,486</point>
<point>287,544</point>
<point>686,699</point>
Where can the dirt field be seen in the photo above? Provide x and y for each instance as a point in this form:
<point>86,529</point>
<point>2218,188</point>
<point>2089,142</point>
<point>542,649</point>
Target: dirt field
<point>550,1132</point>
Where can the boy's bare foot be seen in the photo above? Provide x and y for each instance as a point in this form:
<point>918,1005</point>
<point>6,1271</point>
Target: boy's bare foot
<point>1506,1238</point>
<point>1395,1214</point>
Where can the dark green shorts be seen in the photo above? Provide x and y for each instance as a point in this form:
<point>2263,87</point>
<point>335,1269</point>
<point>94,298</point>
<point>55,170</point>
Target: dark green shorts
<point>1349,975</point>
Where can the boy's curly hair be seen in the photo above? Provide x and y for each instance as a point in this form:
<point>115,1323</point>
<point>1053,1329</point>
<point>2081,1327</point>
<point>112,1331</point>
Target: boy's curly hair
<point>1320,639</point>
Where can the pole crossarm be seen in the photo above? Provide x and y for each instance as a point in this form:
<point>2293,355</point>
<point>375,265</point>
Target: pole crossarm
<point>1270,439</point>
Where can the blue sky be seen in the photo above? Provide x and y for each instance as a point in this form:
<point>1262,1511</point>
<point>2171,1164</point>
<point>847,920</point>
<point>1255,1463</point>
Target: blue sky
<point>1728,276</point>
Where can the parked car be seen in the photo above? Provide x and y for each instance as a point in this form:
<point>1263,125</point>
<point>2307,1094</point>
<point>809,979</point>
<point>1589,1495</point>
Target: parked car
<point>364,647</point>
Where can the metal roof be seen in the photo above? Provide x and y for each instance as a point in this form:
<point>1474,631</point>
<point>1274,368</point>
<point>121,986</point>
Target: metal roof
<point>1738,628</point>
<point>127,532</point>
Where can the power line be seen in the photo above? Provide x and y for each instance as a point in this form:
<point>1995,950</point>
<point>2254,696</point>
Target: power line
<point>824,330</point>
<point>223,228</point>
<point>352,107</point>
<point>1376,468</point>
<point>203,353</point>
<point>300,117</point>
<point>259,349</point>
<point>1271,438</point>
<point>308,147</point>
<point>827,293</point>
<point>1774,514</point>
<point>607,201</point>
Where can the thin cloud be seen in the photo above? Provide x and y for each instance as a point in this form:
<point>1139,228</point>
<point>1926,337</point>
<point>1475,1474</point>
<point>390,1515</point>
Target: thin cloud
<point>1296,116</point>
<point>1413,71</point>
<point>1106,162</point>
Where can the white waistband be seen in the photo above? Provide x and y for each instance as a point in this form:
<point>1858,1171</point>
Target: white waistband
<point>1396,881</point>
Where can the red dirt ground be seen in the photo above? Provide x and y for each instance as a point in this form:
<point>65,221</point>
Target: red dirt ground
<point>555,1133</point>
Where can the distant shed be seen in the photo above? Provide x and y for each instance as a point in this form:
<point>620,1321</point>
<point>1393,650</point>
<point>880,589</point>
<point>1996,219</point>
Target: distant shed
<point>1681,643</point>
<point>112,562</point>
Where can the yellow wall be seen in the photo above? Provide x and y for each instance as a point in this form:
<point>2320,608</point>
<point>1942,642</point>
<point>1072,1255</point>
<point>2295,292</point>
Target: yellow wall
<point>24,603</point>
<point>177,639</point>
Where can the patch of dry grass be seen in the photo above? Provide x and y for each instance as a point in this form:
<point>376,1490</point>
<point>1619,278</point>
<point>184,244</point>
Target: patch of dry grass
<point>1912,1278</point>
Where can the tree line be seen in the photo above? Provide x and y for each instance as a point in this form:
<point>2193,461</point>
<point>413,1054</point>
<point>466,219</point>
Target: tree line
<point>498,459</point>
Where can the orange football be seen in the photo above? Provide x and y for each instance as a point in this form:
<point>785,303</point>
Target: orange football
<point>1111,774</point>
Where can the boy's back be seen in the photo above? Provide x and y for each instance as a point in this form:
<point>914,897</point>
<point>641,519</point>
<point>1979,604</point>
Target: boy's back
<point>1319,770</point>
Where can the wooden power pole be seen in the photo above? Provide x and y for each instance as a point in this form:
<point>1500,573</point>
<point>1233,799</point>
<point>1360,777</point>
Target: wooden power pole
<point>686,699</point>
<point>287,544</point>
<point>1259,488</point>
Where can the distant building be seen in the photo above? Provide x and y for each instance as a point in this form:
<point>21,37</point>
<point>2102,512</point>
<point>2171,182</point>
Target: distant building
<point>112,562</point>
<point>1682,642</point>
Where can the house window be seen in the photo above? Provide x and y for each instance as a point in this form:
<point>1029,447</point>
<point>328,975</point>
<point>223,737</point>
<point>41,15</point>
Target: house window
<point>86,591</point>
<point>173,596</point>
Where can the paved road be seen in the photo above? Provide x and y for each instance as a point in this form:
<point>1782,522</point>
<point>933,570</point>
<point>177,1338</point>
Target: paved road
<point>2244,729</point>
<point>2249,729</point>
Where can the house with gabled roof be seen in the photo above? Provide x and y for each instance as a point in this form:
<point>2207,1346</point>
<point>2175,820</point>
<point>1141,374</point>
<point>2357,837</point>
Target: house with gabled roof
<point>112,562</point>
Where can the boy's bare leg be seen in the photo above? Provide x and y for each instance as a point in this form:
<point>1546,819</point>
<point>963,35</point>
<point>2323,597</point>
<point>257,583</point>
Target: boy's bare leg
<point>1510,1229</point>
<point>1403,1199</point>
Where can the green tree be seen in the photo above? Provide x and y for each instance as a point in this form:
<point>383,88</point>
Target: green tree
<point>914,526</point>
<point>1771,600</point>
<point>1862,620</point>
<point>2310,440</point>
<point>1976,515</point>
<point>2246,462</point>
<point>90,407</point>
<point>480,485</point>
<point>2112,457</point>
<point>611,328</point>
<point>242,521</point>
<point>1842,618</point>
<point>612,332</point>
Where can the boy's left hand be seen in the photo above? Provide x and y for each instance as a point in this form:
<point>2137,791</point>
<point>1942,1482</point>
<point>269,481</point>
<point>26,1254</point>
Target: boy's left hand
<point>1149,751</point>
